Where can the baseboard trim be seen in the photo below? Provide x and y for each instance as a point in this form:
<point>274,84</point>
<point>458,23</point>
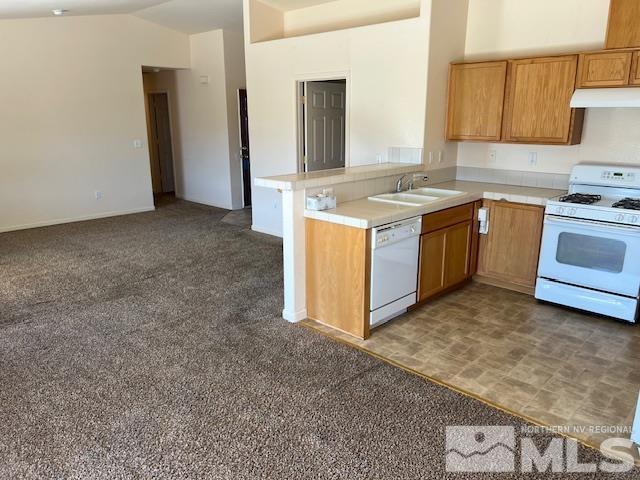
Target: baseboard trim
<point>84,218</point>
<point>506,285</point>
<point>266,231</point>
<point>202,202</point>
<point>294,317</point>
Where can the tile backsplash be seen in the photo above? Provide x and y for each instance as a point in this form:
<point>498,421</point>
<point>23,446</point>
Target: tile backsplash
<point>513,177</point>
<point>406,155</point>
<point>346,192</point>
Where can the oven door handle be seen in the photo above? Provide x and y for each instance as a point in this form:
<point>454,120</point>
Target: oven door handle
<point>554,220</point>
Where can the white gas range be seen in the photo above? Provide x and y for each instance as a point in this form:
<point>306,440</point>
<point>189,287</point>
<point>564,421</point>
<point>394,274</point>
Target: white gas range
<point>590,253</point>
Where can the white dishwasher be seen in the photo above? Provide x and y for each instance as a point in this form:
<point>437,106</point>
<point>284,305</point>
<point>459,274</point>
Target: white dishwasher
<point>394,269</point>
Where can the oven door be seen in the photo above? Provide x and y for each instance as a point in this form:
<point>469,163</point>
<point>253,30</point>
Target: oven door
<point>591,254</point>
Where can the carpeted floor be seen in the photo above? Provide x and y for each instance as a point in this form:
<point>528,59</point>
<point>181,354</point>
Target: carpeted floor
<point>151,346</point>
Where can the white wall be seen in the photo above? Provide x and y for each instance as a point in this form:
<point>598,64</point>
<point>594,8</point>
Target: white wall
<point>446,44</point>
<point>503,28</point>
<point>346,14</point>
<point>266,22</point>
<point>72,104</point>
<point>496,27</point>
<point>386,65</point>
<point>205,130</point>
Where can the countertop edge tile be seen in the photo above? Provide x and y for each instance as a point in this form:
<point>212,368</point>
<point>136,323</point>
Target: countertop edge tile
<point>365,213</point>
<point>301,181</point>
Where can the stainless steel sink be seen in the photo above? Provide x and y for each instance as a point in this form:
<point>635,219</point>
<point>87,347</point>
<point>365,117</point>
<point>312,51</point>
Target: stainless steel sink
<point>405,198</point>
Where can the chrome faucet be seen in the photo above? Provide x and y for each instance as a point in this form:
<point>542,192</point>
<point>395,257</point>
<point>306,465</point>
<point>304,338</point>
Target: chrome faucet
<point>411,182</point>
<point>399,184</point>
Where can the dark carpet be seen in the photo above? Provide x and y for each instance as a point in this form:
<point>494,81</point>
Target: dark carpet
<point>151,346</point>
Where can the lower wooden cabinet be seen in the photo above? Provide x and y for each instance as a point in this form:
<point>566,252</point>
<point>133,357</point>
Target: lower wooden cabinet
<point>447,250</point>
<point>509,252</point>
<point>635,69</point>
<point>338,269</point>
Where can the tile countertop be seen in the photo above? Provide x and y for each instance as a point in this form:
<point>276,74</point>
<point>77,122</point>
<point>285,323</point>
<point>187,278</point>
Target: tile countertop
<point>366,213</point>
<point>299,181</point>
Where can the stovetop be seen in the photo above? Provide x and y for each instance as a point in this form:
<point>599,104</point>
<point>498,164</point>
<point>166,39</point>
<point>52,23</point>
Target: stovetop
<point>581,198</point>
<point>628,204</point>
<point>605,193</point>
<point>616,209</point>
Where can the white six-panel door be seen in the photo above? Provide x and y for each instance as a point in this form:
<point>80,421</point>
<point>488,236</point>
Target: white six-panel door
<point>325,125</point>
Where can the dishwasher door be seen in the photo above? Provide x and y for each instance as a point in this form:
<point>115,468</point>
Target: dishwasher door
<point>394,269</point>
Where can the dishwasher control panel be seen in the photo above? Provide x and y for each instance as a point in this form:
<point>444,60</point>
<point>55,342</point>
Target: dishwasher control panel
<point>395,232</point>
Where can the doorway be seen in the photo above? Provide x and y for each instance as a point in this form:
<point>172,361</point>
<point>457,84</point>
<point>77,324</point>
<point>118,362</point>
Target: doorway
<point>244,143</point>
<point>160,144</point>
<point>322,125</point>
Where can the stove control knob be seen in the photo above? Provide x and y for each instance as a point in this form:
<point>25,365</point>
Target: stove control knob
<point>619,218</point>
<point>634,219</point>
<point>573,211</point>
<point>560,210</point>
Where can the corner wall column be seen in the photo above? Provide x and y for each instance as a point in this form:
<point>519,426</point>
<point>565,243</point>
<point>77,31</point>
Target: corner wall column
<point>293,246</point>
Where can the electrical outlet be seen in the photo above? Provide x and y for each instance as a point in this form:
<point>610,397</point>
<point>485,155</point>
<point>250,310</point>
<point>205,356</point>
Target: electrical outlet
<point>98,195</point>
<point>430,158</point>
<point>440,156</point>
<point>379,158</point>
<point>493,157</point>
<point>137,144</point>
<point>533,159</point>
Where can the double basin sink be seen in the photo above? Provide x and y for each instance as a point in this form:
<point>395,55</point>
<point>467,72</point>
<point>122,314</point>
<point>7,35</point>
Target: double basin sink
<point>416,197</point>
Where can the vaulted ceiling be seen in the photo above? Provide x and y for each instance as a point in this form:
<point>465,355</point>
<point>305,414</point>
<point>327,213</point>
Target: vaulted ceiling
<point>194,16</point>
<point>189,16</point>
<point>43,8</point>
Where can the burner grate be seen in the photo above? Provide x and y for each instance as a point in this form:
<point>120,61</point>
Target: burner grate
<point>581,198</point>
<point>628,204</point>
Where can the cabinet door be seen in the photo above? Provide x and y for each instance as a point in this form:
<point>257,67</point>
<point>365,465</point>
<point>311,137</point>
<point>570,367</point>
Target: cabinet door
<point>604,69</point>
<point>539,92</point>
<point>432,264</point>
<point>509,252</point>
<point>635,69</point>
<point>624,24</point>
<point>444,258</point>
<point>476,101</point>
<point>457,253</point>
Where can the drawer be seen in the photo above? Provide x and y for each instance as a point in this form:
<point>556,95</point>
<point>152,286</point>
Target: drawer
<point>445,218</point>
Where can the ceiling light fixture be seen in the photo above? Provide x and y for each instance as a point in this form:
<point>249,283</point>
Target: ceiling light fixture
<point>58,12</point>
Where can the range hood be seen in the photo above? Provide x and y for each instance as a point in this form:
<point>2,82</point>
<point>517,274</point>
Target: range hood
<point>606,97</point>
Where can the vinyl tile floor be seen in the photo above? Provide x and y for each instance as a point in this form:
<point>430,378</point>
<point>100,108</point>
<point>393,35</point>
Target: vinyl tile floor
<point>552,365</point>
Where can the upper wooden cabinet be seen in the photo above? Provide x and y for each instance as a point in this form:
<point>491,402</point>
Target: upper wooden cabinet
<point>624,24</point>
<point>635,69</point>
<point>606,69</point>
<point>476,97</point>
<point>538,95</point>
